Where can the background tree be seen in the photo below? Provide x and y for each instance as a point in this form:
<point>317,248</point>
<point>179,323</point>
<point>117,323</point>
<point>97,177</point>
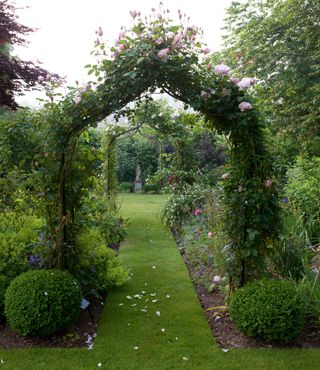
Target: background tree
<point>16,75</point>
<point>279,43</point>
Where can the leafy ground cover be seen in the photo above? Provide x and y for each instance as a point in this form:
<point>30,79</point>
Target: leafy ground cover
<point>155,321</point>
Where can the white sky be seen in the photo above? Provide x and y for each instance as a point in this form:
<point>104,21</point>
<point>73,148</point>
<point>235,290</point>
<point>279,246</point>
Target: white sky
<point>66,28</point>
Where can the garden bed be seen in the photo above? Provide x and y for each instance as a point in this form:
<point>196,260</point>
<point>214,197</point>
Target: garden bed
<point>224,330</point>
<point>81,334</point>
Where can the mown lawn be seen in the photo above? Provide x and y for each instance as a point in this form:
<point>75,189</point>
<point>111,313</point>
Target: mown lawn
<point>129,338</point>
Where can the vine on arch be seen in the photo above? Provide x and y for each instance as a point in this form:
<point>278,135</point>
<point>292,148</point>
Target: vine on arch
<point>155,54</point>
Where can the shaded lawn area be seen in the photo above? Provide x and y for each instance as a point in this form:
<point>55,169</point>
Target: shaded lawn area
<point>179,338</point>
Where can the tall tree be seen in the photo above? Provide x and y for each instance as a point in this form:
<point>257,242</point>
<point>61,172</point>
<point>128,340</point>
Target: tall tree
<point>279,43</point>
<point>16,75</point>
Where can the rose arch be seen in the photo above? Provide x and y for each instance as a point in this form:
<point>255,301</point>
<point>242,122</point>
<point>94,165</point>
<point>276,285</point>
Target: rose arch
<point>156,55</point>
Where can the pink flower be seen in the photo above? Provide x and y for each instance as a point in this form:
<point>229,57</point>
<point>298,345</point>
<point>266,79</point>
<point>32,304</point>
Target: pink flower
<point>245,83</point>
<point>244,106</point>
<point>268,183</point>
<point>209,66</point>
<point>205,95</point>
<point>77,100</point>
<point>222,69</point>
<point>133,13</point>
<point>225,176</point>
<point>206,50</point>
<point>163,53</point>
<point>234,80</point>
<point>122,34</point>
<point>122,47</point>
<point>198,212</point>
<point>40,78</point>
<point>176,40</point>
<point>210,234</point>
<point>99,32</point>
<point>217,279</point>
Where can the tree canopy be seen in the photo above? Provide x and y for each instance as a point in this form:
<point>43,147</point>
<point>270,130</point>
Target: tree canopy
<point>278,42</point>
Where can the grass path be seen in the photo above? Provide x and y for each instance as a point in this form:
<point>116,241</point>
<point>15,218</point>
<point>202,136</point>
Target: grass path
<point>185,343</point>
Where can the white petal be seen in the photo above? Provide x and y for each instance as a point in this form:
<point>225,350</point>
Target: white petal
<point>154,300</point>
<point>158,313</point>
<point>129,297</point>
<point>135,348</point>
<point>163,330</point>
<point>225,349</point>
<point>167,296</point>
<point>185,358</point>
<point>154,267</point>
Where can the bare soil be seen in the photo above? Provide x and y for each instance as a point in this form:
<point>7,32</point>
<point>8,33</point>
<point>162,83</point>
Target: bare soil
<point>81,334</point>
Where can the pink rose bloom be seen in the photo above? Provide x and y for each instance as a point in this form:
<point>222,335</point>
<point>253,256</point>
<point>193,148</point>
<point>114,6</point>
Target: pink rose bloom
<point>225,176</point>
<point>198,212</point>
<point>217,279</point>
<point>268,183</point>
<point>40,78</point>
<point>206,50</point>
<point>163,53</point>
<point>122,47</point>
<point>122,34</point>
<point>245,83</point>
<point>176,40</point>
<point>133,13</point>
<point>234,80</point>
<point>210,234</point>
<point>222,69</point>
<point>245,106</point>
<point>253,80</point>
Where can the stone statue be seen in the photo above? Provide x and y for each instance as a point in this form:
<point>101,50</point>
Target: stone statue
<point>138,181</point>
<point>138,173</point>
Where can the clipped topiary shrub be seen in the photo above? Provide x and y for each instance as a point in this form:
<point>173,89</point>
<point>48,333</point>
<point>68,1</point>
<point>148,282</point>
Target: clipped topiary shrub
<point>269,309</point>
<point>42,302</point>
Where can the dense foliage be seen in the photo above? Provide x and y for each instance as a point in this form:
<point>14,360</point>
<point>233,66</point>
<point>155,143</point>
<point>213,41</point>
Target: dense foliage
<point>42,302</point>
<point>279,43</point>
<point>270,310</point>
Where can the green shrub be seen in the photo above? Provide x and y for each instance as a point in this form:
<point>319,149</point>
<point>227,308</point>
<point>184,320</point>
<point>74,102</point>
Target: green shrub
<point>18,236</point>
<point>42,302</point>
<point>181,204</point>
<point>98,267</point>
<point>269,309</point>
<point>151,188</point>
<point>126,187</point>
<point>303,194</point>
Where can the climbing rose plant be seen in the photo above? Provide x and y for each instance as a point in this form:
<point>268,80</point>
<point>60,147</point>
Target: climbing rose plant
<point>155,54</point>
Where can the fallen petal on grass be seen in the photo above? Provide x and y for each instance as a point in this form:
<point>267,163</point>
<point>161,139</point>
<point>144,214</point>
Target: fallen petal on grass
<point>158,313</point>
<point>225,349</point>
<point>185,358</point>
